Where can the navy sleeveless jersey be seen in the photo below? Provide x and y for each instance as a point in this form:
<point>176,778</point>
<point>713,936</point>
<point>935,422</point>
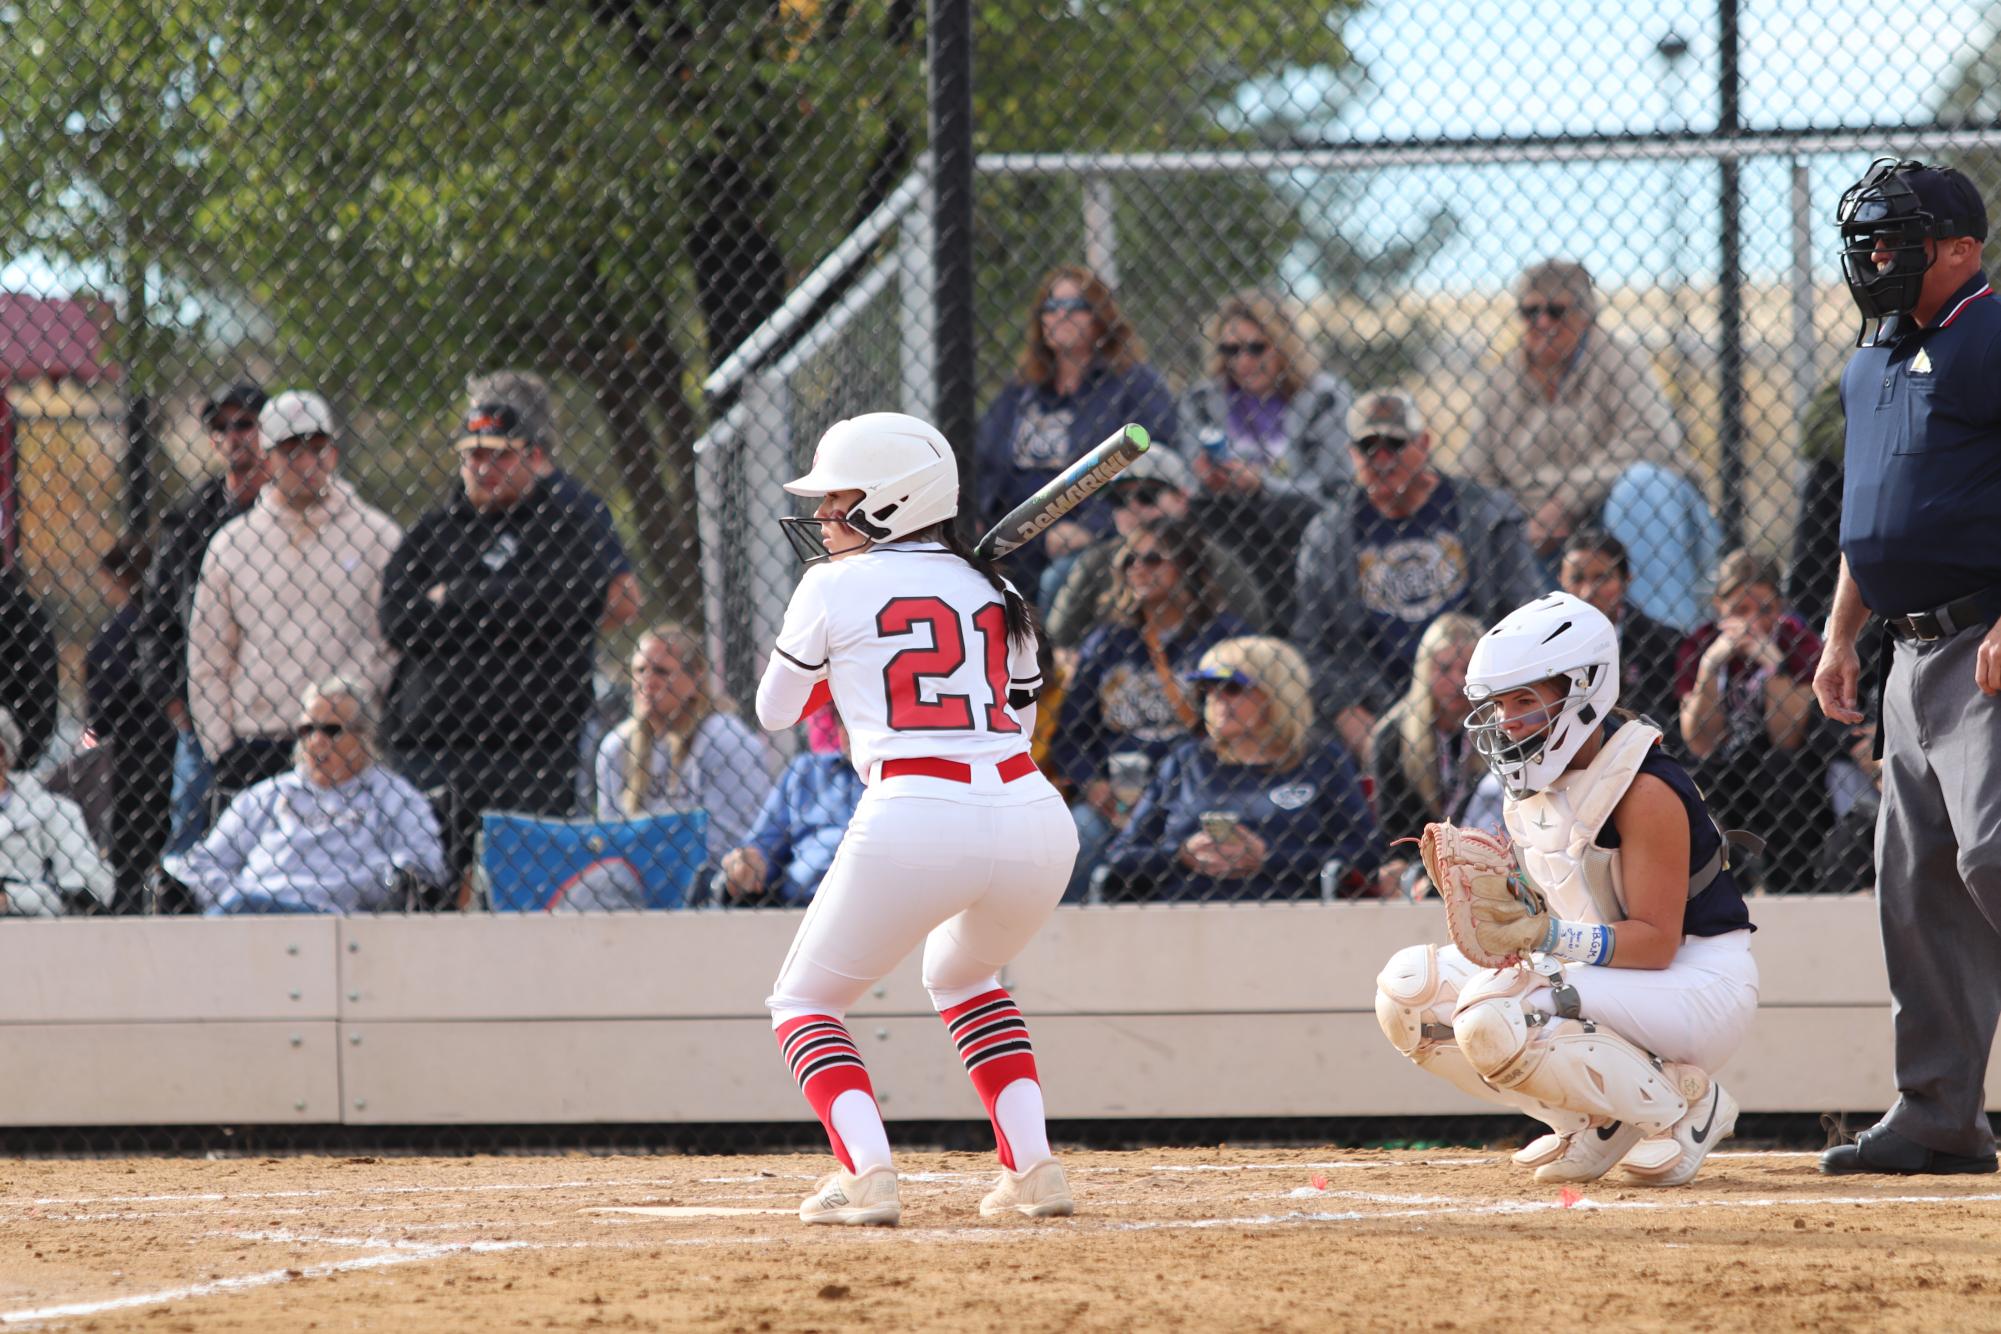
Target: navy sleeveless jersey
<point>1719,909</point>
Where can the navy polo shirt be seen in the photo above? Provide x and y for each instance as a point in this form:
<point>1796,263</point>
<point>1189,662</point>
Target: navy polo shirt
<point>1921,499</point>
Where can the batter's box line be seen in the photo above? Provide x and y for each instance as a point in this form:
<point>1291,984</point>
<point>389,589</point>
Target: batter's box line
<point>245,1282</point>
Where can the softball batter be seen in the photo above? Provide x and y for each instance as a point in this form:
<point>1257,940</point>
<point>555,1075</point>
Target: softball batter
<point>958,842</point>
<point>1636,983</point>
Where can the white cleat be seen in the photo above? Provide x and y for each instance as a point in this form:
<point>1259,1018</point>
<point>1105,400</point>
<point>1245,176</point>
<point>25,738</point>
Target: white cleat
<point>1711,1119</point>
<point>1590,1154</point>
<point>865,1200</point>
<point>1040,1192</point>
<point>1650,1156</point>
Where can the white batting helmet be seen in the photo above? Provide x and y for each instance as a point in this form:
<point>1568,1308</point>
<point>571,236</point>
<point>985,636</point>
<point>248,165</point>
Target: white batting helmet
<point>903,466</point>
<point>1554,636</point>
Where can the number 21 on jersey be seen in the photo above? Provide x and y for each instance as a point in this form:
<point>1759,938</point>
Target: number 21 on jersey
<point>905,673</point>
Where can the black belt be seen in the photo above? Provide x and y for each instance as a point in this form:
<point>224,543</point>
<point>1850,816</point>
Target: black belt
<point>1945,622</point>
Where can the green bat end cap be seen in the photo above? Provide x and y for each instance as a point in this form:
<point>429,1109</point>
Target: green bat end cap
<point>1137,434</point>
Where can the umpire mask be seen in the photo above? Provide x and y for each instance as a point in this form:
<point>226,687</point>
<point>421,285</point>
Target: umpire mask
<point>1881,214</point>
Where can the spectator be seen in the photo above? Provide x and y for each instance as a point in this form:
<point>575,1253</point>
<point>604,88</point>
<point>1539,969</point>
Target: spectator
<point>1576,426</point>
<point>48,865</point>
<point>683,749</point>
<point>1254,808</point>
<point>1595,569</point>
<point>286,597</point>
<point>792,844</point>
<point>337,833</point>
<point>1081,376</point>
<point>185,532</point>
<point>1420,756</point>
<point>133,735</point>
<point>1746,686</point>
<point>1127,697</point>
<point>623,600</point>
<point>1389,554</point>
<point>495,598</point>
<point>1156,485</point>
<point>27,667</point>
<point>1267,432</point>
<point>1282,421</point>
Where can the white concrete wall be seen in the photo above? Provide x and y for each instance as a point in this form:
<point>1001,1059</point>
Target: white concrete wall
<point>1136,1012</point>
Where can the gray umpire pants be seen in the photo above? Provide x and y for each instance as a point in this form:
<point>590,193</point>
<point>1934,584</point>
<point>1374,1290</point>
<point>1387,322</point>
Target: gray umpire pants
<point>1938,888</point>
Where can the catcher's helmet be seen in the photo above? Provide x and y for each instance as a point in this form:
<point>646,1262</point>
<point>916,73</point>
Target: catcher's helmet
<point>1893,211</point>
<point>902,465</point>
<point>1556,636</point>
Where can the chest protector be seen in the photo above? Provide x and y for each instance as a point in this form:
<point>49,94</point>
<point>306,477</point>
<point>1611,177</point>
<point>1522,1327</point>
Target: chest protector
<point>1555,831</point>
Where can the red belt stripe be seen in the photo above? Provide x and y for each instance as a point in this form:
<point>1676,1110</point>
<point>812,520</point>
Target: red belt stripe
<point>1016,766</point>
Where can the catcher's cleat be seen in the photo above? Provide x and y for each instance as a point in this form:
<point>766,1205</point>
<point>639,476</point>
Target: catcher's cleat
<point>1654,1154</point>
<point>1711,1119</point>
<point>1040,1192</point>
<point>858,1200</point>
<point>1590,1154</point>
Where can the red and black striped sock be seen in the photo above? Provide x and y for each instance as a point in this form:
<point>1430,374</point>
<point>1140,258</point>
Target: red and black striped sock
<point>993,1042</point>
<point>825,1061</point>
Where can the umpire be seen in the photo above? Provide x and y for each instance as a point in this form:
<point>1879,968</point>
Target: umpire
<point>1921,547</point>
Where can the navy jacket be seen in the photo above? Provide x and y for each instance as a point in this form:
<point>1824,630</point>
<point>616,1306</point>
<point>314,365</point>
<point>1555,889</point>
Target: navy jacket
<point>1307,816</point>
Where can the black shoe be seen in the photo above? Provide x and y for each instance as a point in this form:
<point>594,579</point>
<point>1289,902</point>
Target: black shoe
<point>1880,1149</point>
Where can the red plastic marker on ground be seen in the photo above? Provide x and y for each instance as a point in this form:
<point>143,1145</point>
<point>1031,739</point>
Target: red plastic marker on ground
<point>1570,1197</point>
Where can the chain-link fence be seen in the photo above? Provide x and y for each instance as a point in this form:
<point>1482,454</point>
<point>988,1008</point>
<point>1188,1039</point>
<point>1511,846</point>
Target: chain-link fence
<point>400,396</point>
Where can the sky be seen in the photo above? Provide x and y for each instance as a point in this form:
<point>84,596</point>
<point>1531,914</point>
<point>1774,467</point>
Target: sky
<point>1466,68</point>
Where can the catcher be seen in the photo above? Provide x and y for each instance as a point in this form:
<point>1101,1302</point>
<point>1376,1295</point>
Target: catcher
<point>1599,984</point>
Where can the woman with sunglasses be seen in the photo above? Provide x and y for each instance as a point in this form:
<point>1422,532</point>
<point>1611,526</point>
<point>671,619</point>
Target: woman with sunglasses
<point>1576,426</point>
<point>1127,697</point>
<point>1266,416</point>
<point>1257,805</point>
<point>1082,374</point>
<point>336,833</point>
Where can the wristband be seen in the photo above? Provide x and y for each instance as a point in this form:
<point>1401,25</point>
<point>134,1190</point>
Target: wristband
<point>1577,942</point>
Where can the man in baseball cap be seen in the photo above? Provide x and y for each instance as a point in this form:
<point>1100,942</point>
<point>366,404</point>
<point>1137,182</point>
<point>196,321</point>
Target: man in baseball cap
<point>230,417</point>
<point>1375,569</point>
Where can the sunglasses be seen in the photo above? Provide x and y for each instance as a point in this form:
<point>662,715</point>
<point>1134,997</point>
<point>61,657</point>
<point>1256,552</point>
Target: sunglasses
<point>1147,558</point>
<point>304,730</point>
<point>1554,310</point>
<point>1230,689</point>
<point>1065,305</point>
<point>236,426</point>
<point>1372,444</point>
<point>1138,493</point>
<point>1231,351</point>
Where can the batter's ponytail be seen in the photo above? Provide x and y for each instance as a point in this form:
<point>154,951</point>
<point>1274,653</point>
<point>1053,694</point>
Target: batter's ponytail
<point>1019,618</point>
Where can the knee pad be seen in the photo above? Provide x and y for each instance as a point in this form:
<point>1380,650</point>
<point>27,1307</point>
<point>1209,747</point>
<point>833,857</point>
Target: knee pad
<point>1570,1064</point>
<point>1418,986</point>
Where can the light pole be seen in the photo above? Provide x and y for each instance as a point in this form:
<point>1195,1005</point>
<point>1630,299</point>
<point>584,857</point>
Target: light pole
<point>1673,50</point>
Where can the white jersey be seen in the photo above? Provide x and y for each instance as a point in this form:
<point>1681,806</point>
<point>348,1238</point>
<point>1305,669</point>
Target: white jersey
<point>913,644</point>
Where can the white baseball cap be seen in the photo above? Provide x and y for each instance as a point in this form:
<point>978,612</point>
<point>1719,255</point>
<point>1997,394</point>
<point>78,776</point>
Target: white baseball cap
<point>294,413</point>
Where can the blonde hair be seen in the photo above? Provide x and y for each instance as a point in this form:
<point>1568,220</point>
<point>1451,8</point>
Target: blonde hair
<point>1417,711</point>
<point>1277,669</point>
<point>1274,318</point>
<point>640,736</point>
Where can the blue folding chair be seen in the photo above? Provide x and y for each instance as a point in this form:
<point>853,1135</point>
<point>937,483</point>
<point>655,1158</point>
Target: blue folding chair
<point>531,863</point>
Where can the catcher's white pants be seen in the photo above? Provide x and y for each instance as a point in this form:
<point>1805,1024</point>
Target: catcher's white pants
<point>1696,1010</point>
<point>972,870</point>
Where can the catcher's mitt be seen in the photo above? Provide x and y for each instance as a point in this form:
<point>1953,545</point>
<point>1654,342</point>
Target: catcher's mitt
<point>1491,921</point>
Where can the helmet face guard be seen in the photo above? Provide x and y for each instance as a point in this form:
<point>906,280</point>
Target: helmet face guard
<point>1557,646</point>
<point>1881,214</point>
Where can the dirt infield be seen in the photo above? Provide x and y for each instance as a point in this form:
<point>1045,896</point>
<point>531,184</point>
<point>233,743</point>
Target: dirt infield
<point>1166,1239</point>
